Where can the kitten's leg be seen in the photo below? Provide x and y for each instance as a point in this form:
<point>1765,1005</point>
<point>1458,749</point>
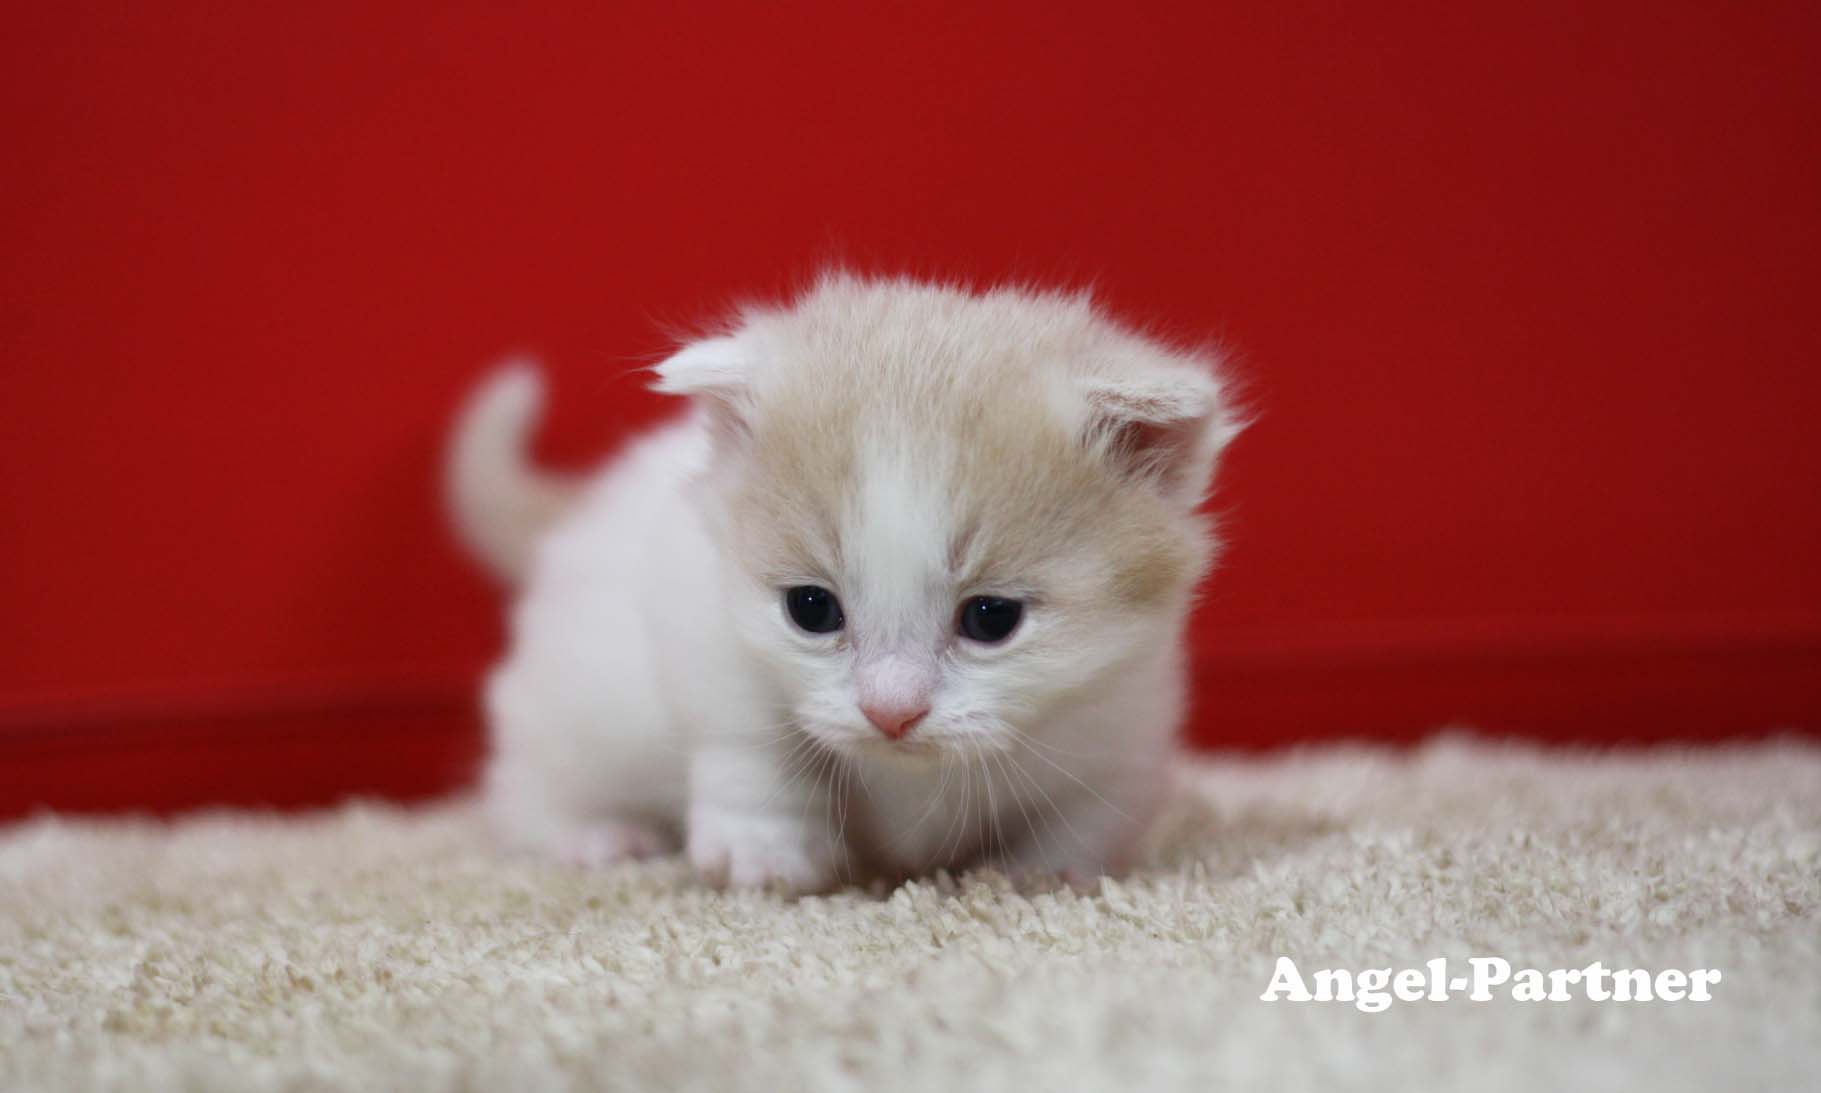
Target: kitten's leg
<point>524,809</point>
<point>573,777</point>
<point>755,821</point>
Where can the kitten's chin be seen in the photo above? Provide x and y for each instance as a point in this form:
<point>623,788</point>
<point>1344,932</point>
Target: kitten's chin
<point>915,753</point>
<point>917,750</point>
<point>909,752</point>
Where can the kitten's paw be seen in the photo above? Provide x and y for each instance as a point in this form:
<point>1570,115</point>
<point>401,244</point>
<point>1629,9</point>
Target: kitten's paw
<point>739,850</point>
<point>607,841</point>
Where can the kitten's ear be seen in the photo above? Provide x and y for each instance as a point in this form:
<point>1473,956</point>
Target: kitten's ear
<point>717,374</point>
<point>1166,426</point>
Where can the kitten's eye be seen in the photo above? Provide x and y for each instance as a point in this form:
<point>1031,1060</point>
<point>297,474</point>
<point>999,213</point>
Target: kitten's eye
<point>814,608</point>
<point>990,619</point>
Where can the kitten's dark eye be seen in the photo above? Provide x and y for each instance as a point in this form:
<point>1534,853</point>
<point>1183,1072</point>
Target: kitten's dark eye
<point>814,608</point>
<point>989,618</point>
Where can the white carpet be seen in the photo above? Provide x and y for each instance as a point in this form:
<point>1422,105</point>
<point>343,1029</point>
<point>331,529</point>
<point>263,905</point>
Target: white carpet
<point>377,947</point>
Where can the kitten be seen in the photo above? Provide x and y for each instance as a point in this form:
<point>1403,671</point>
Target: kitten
<point>904,590</point>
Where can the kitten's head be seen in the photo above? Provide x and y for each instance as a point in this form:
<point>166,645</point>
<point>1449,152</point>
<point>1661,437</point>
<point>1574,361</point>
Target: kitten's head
<point>948,512</point>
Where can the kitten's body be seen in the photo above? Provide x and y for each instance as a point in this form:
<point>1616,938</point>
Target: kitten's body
<point>906,447</point>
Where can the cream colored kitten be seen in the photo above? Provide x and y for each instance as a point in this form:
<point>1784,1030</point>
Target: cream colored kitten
<point>905,589</point>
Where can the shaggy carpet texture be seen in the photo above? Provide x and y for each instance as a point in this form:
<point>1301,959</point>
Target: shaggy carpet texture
<point>380,947</point>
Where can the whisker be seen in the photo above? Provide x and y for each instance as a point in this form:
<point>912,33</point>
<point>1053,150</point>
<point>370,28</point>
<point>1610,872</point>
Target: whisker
<point>795,759</point>
<point>1113,756</point>
<point>1030,828</point>
<point>821,762</point>
<point>935,796</point>
<point>958,827</point>
<point>1071,777</point>
<point>1050,802</point>
<point>845,791</point>
<point>995,842</point>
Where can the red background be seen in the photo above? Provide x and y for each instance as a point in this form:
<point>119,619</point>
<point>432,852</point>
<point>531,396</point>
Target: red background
<point>1525,297</point>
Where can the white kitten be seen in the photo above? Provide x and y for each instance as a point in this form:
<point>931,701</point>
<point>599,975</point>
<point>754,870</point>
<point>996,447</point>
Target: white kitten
<point>905,590</point>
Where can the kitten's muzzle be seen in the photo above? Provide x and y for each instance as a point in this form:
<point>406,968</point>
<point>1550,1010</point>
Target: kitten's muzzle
<point>895,722</point>
<point>895,693</point>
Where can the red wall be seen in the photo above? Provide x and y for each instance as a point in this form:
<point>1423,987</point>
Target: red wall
<point>1526,297</point>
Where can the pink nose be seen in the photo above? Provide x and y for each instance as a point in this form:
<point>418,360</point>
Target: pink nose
<point>893,720</point>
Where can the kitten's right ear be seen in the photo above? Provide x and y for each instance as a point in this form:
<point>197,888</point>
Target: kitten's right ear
<point>717,374</point>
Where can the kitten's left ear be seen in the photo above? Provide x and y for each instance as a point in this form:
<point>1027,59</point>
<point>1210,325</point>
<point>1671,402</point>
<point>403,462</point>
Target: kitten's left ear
<point>717,374</point>
<point>1165,426</point>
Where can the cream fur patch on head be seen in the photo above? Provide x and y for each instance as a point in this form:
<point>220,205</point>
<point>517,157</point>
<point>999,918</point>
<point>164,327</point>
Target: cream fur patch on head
<point>1039,424</point>
<point>908,445</point>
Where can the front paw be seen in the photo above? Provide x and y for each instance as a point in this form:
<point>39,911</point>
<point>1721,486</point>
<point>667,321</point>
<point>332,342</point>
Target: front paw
<point>744,850</point>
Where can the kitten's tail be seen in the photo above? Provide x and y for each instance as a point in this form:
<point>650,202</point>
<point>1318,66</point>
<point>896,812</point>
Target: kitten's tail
<point>500,500</point>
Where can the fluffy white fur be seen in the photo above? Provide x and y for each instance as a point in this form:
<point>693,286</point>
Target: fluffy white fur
<point>906,446</point>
